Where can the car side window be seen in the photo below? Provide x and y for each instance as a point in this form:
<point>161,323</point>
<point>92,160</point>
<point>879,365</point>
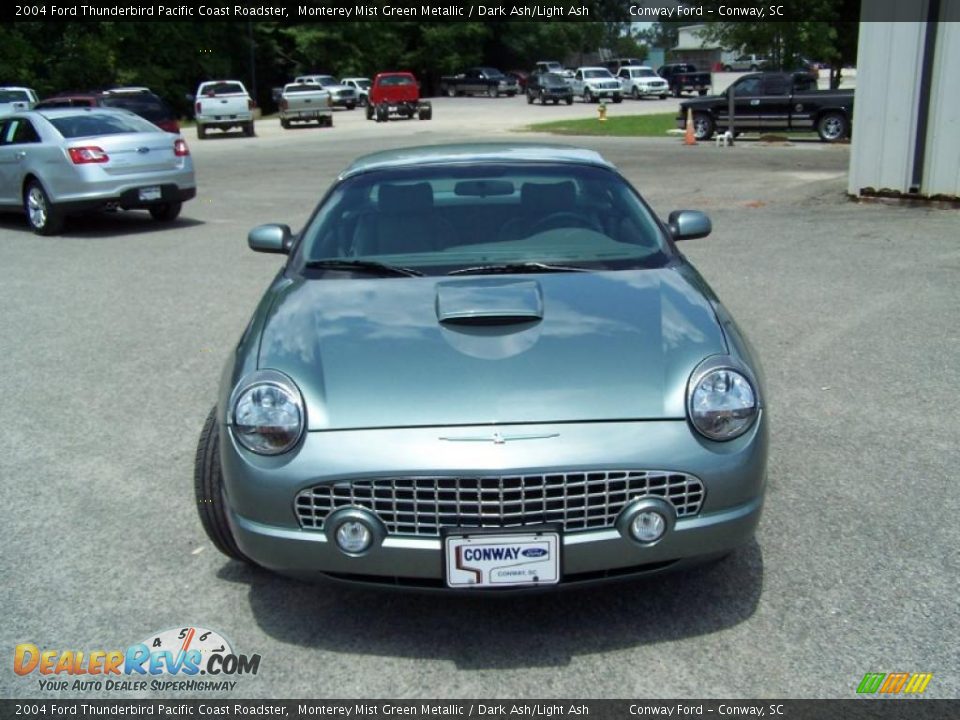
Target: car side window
<point>18,131</point>
<point>775,86</point>
<point>579,75</point>
<point>747,86</point>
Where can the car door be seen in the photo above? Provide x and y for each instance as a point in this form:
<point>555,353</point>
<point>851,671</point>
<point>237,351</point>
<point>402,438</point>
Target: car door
<point>18,139</point>
<point>625,82</point>
<point>578,83</point>
<point>774,109</point>
<point>746,104</point>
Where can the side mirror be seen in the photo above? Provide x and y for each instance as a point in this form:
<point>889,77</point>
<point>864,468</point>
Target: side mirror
<point>274,238</point>
<point>689,224</point>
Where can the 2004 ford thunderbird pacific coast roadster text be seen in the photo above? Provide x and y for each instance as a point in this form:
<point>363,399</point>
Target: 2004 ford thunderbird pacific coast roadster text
<point>484,366</point>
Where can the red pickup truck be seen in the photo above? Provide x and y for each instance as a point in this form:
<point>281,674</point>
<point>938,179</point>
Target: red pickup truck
<point>396,94</point>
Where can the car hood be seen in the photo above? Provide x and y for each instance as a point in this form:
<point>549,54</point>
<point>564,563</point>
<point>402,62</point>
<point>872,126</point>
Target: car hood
<point>402,352</point>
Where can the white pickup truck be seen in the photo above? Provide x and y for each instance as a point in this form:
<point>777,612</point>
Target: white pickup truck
<point>640,81</point>
<point>305,102</point>
<point>16,99</point>
<point>223,104</point>
<point>596,83</point>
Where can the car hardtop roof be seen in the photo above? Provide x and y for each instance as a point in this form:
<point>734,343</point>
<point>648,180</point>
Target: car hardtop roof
<point>635,67</point>
<point>592,67</point>
<point>59,112</point>
<point>358,77</point>
<point>462,153</point>
<point>394,73</point>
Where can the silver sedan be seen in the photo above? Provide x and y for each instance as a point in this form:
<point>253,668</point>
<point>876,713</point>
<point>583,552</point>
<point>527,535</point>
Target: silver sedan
<point>54,163</point>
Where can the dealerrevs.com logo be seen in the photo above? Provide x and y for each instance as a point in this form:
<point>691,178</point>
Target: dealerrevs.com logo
<point>166,661</point>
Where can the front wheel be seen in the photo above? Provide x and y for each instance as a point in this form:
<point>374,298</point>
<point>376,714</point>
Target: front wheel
<point>529,99</point>
<point>703,126</point>
<point>493,92</point>
<point>587,96</point>
<point>635,93</point>
<point>832,127</point>
<point>42,214</point>
<point>208,490</point>
<point>351,106</point>
<point>569,99</point>
<point>618,98</point>
<point>165,212</point>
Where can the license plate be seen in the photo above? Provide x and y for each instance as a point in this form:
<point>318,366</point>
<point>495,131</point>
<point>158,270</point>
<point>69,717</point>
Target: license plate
<point>393,108</point>
<point>502,560</point>
<point>150,193</point>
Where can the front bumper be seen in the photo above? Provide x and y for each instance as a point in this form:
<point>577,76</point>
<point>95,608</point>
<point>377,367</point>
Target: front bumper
<point>652,89</point>
<point>260,494</point>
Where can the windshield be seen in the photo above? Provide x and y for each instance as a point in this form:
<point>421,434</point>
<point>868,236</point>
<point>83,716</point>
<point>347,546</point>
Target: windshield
<point>643,73</point>
<point>440,219</point>
<point>151,108</point>
<point>597,74</point>
<point>90,124</point>
<point>9,96</point>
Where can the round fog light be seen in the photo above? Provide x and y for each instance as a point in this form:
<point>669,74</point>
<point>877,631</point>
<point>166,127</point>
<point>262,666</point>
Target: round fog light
<point>354,537</point>
<point>648,526</point>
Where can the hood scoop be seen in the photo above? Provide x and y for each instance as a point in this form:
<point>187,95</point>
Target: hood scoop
<point>489,302</point>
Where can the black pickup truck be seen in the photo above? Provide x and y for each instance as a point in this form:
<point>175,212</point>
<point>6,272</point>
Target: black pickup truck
<point>773,102</point>
<point>479,81</point>
<point>684,76</point>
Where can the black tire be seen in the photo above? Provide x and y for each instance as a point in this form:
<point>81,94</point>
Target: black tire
<point>208,490</point>
<point>556,101</point>
<point>285,124</point>
<point>676,91</point>
<point>832,127</point>
<point>43,215</point>
<point>635,93</point>
<point>382,114</point>
<point>362,101</point>
<point>166,212</point>
<point>351,106</point>
<point>326,121</point>
<point>617,99</point>
<point>569,99</point>
<point>369,112</point>
<point>201,132</point>
<point>425,113</point>
<point>543,98</point>
<point>663,97</point>
<point>587,95</point>
<point>529,98</point>
<point>703,126</point>
<point>248,129</point>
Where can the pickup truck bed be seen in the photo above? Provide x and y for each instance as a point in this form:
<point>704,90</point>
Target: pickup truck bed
<point>682,77</point>
<point>224,105</point>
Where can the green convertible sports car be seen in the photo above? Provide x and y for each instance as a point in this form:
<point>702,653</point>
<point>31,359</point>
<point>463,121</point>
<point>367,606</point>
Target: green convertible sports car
<point>484,367</point>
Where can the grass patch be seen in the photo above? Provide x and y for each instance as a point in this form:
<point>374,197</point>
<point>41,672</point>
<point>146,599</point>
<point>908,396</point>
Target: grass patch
<point>620,126</point>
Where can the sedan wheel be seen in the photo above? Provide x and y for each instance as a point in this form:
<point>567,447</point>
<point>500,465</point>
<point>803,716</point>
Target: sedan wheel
<point>166,212</point>
<point>208,489</point>
<point>41,213</point>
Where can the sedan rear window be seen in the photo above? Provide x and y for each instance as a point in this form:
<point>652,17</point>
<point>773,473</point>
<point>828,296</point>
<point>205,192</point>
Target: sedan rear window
<point>92,123</point>
<point>396,80</point>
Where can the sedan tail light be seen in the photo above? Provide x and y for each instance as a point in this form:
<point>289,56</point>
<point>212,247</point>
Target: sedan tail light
<point>88,154</point>
<point>180,148</point>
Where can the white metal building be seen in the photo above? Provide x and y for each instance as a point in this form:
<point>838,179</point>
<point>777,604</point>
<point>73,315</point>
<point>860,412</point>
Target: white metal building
<point>906,121</point>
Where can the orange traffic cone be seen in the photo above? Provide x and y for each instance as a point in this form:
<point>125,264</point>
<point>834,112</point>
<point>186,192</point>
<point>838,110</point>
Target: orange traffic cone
<point>688,138</point>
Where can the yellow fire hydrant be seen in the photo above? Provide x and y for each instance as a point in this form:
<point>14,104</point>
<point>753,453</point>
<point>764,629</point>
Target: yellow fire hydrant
<point>602,111</point>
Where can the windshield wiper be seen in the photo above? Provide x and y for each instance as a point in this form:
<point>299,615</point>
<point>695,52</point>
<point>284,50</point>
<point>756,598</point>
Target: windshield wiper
<point>520,267</point>
<point>370,267</point>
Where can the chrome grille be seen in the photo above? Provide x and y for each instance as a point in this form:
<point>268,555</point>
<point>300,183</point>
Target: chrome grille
<point>586,500</point>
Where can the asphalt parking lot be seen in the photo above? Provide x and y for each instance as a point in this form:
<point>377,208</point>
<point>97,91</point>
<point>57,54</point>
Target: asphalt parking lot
<point>113,336</point>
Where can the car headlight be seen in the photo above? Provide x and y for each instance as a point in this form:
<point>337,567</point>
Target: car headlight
<point>268,415</point>
<point>722,403</point>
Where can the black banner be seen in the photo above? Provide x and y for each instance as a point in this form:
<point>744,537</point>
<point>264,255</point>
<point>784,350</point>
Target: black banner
<point>878,709</point>
<point>309,11</point>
